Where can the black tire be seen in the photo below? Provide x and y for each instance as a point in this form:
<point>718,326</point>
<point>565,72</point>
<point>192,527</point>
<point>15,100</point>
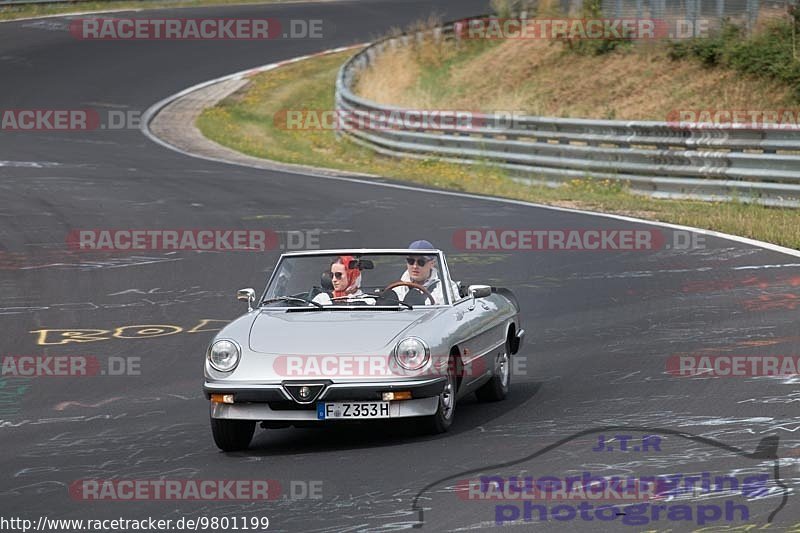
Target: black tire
<point>443,419</point>
<point>232,435</point>
<point>496,389</point>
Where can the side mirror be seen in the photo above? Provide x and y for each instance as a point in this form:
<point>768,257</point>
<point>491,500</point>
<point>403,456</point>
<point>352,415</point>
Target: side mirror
<point>246,295</point>
<point>480,291</point>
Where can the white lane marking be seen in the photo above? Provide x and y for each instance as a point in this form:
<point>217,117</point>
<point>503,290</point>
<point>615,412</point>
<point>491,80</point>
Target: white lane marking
<point>111,263</point>
<point>728,421</point>
<point>758,267</point>
<point>28,164</point>
<point>651,273</point>
<point>153,110</point>
<point>64,405</point>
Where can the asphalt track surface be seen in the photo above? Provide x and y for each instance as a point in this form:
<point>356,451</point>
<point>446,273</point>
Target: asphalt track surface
<point>601,325</point>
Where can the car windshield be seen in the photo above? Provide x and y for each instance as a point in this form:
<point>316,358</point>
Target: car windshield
<point>326,281</point>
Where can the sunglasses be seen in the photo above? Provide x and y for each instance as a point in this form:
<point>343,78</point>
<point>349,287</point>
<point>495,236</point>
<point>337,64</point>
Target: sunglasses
<point>419,261</point>
<point>337,275</point>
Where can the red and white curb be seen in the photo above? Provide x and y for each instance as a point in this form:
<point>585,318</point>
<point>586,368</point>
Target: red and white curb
<point>154,109</point>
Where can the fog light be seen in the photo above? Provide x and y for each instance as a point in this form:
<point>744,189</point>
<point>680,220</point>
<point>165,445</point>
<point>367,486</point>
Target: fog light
<point>222,398</point>
<point>389,396</point>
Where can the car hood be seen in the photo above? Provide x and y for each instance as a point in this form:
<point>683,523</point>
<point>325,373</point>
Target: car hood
<point>332,332</point>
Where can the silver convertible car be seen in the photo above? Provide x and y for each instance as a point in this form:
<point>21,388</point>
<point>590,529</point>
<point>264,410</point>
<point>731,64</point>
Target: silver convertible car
<point>344,335</point>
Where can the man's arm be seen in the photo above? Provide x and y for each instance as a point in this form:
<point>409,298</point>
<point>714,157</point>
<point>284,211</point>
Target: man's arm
<point>400,292</point>
<point>435,289</point>
<point>455,290</point>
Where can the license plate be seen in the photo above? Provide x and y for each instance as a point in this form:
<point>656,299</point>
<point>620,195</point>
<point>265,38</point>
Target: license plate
<point>360,410</point>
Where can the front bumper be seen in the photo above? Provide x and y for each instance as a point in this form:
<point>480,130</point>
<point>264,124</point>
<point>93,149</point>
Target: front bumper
<point>267,402</point>
<point>263,411</point>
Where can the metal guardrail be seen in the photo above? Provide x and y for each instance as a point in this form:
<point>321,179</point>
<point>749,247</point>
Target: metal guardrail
<point>655,158</point>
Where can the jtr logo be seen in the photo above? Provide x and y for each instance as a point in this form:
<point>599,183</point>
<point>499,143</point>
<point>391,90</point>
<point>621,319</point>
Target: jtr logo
<point>648,442</point>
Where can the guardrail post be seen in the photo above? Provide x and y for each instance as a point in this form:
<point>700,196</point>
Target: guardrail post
<point>752,14</point>
<point>656,9</point>
<point>691,14</point>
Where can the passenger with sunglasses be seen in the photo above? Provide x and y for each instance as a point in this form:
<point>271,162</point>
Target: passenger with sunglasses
<point>421,269</point>
<point>346,283</point>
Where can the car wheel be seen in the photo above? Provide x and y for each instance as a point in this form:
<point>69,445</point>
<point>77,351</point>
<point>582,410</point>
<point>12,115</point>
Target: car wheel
<point>443,419</point>
<point>496,389</point>
<point>232,435</point>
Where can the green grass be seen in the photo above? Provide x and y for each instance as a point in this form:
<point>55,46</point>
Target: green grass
<point>768,53</point>
<point>435,75</point>
<point>36,10</point>
<point>245,123</point>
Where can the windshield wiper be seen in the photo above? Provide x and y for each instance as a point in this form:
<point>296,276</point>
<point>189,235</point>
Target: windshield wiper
<point>292,299</point>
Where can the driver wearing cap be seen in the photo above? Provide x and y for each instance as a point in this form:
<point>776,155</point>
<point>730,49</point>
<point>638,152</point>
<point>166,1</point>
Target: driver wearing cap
<point>421,269</point>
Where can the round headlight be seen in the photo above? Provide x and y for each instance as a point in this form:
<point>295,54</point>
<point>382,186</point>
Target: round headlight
<point>412,353</point>
<point>224,355</point>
